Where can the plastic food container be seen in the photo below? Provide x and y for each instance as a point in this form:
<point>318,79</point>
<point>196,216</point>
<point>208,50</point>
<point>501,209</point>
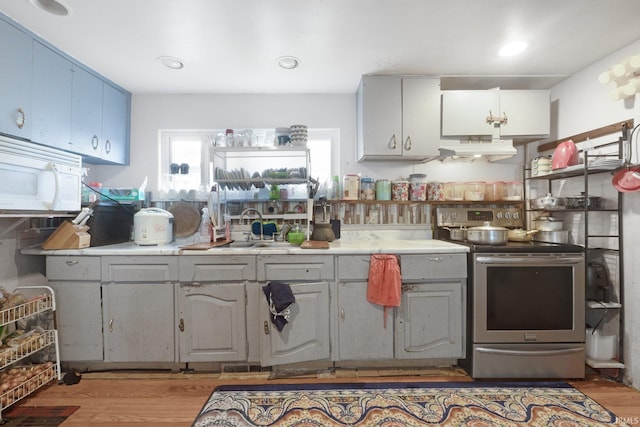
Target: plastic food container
<point>600,347</point>
<point>351,187</point>
<point>454,191</point>
<point>435,191</point>
<point>493,190</point>
<point>400,190</point>
<point>512,190</point>
<point>474,191</point>
<point>418,186</point>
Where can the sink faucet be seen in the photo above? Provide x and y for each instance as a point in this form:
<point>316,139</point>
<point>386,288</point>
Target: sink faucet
<point>246,211</point>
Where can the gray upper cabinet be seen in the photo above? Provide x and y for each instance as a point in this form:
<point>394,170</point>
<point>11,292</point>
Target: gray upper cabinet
<point>466,112</point>
<point>15,81</point>
<point>52,79</point>
<point>53,100</point>
<point>398,118</point>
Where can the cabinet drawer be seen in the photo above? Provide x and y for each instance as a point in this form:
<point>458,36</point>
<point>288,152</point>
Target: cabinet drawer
<point>73,268</point>
<point>298,268</point>
<point>433,266</point>
<point>353,267</point>
<point>216,269</point>
<point>139,269</point>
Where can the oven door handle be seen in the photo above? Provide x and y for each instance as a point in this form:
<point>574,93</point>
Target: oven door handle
<point>530,352</point>
<point>565,260</point>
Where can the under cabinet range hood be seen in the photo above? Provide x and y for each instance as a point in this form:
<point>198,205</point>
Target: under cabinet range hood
<point>492,150</point>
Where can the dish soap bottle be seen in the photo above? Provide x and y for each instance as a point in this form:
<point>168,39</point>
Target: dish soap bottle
<point>205,226</point>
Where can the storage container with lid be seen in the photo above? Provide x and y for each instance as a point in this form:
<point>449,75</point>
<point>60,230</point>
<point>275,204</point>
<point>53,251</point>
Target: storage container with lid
<point>383,189</point>
<point>474,191</point>
<point>400,190</point>
<point>454,191</point>
<point>351,187</point>
<point>418,186</point>
<point>493,190</point>
<point>512,190</point>
<point>367,189</point>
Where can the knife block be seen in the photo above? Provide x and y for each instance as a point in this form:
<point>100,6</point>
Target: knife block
<point>68,236</point>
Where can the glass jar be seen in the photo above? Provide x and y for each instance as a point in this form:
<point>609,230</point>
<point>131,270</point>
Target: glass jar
<point>383,189</point>
<point>418,187</point>
<point>367,189</point>
<point>400,190</point>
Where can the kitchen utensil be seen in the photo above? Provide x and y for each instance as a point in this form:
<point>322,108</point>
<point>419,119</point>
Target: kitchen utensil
<point>627,179</point>
<point>488,234</point>
<point>458,234</point>
<point>552,236</point>
<point>203,246</point>
<point>565,154</point>
<point>547,223</point>
<point>598,284</point>
<point>583,202</point>
<point>315,244</point>
<point>547,202</point>
<point>520,235</point>
<point>186,218</point>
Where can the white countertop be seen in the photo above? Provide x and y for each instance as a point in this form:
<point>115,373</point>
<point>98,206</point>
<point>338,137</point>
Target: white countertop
<point>348,246</point>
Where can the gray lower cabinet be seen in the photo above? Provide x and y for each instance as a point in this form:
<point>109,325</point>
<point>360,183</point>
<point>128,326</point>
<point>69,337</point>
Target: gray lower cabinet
<point>76,283</point>
<point>362,334</point>
<point>211,302</point>
<point>138,308</point>
<point>429,321</point>
<point>306,337</point>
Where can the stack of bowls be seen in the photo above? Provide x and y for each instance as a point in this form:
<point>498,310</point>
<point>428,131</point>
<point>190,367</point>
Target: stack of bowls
<point>298,135</point>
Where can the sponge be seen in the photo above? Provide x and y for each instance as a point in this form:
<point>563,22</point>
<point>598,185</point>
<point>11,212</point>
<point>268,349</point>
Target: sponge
<point>269,228</point>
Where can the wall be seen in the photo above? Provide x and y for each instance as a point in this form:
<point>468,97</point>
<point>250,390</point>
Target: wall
<point>150,113</point>
<point>582,104</point>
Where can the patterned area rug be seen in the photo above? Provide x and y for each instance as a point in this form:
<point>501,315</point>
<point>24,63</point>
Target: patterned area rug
<point>473,404</point>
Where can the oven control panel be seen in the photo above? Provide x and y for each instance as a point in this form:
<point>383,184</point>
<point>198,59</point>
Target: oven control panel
<point>508,216</point>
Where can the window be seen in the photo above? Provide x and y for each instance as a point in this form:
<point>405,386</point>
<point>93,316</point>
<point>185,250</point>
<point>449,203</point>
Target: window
<point>191,147</point>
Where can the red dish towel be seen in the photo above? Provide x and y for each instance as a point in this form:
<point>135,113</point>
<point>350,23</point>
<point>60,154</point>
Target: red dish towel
<point>384,287</point>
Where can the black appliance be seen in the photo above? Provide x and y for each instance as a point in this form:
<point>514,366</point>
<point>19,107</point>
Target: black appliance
<point>525,302</point>
<point>111,223</point>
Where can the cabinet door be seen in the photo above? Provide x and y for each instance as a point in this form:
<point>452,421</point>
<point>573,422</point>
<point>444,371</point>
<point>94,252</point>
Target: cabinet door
<point>115,125</point>
<point>139,322</point>
<point>306,336</point>
<point>379,117</point>
<point>86,113</point>
<point>421,117</point>
<point>15,80</point>
<point>528,112</point>
<point>429,321</point>
<point>361,331</point>
<point>212,324</point>
<point>79,320</point>
<point>52,77</point>
<point>465,112</point>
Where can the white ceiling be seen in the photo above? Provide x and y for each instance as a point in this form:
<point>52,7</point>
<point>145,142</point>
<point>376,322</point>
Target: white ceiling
<point>231,46</point>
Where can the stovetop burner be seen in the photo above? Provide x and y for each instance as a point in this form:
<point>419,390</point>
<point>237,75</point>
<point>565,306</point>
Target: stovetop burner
<point>521,247</point>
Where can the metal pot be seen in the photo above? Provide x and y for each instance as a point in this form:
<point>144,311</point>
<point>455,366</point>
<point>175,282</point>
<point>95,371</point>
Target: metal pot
<point>488,235</point>
<point>547,202</point>
<point>555,236</point>
<point>520,235</point>
<point>459,234</point>
<point>547,223</point>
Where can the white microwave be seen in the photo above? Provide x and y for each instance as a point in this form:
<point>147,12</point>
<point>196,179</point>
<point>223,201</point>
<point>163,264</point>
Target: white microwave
<point>38,178</point>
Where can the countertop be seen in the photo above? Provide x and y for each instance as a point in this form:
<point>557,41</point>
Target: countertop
<point>337,247</point>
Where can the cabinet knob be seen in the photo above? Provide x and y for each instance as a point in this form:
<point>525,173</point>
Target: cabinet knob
<point>111,325</point>
<point>181,325</point>
<point>94,142</point>
<point>435,259</point>
<point>392,143</point>
<point>408,143</point>
<point>342,314</point>
<point>107,146</point>
<point>71,262</point>
<point>266,327</point>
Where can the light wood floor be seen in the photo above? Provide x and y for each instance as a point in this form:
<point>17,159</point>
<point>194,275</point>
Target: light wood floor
<point>174,399</point>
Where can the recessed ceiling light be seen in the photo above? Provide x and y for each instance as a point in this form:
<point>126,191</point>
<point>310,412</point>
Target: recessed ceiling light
<point>513,48</point>
<point>171,62</point>
<point>288,62</point>
<point>51,6</point>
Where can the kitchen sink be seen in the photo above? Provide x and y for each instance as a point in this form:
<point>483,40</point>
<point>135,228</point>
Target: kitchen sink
<point>264,244</point>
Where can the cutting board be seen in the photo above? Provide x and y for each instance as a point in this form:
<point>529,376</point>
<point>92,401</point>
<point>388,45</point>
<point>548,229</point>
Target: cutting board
<point>314,244</point>
<point>186,219</point>
<point>203,246</point>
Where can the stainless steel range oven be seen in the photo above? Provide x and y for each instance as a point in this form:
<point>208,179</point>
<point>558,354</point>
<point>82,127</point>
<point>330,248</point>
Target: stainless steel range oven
<point>525,305</point>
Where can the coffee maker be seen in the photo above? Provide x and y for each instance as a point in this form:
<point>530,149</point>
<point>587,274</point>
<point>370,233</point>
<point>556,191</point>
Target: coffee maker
<point>322,229</point>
